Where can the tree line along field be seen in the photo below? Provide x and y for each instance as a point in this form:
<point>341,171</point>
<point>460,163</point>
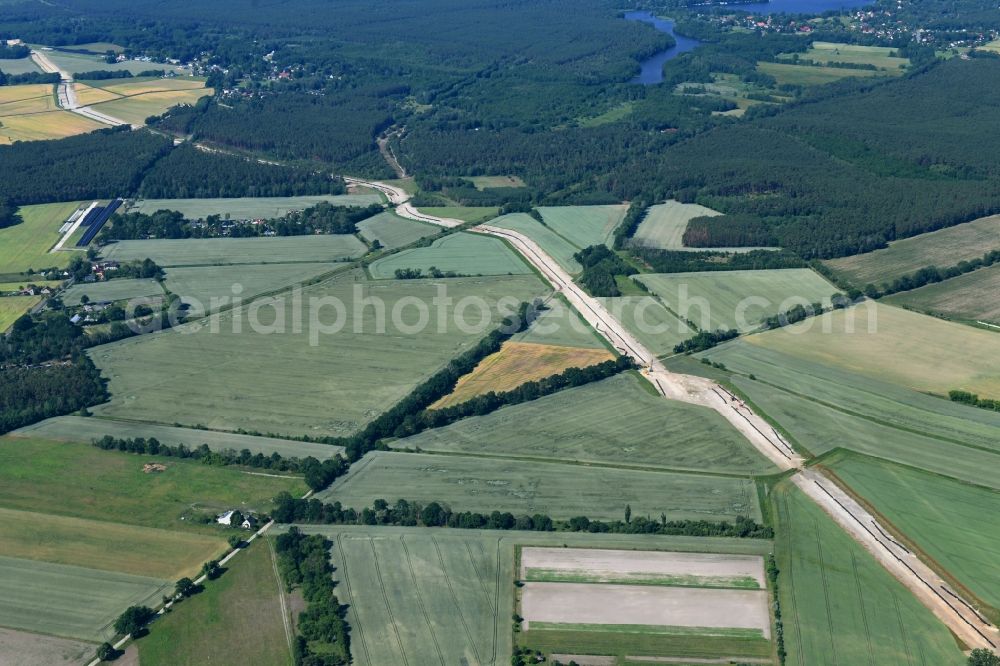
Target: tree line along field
<point>222,251</point>
<point>941,248</point>
<point>393,231</point>
<point>616,421</point>
<point>26,245</point>
<point>80,429</point>
<point>973,297</point>
<point>280,382</point>
<point>249,208</point>
<point>517,363</point>
<point>738,299</point>
<point>470,483</point>
<point>664,226</point>
<point>461,253</point>
<point>945,520</point>
<point>76,63</point>
<point>237,619</point>
<point>448,595</point>
<point>838,605</point>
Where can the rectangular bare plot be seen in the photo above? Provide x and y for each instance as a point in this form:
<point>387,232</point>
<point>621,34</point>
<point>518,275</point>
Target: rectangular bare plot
<point>645,608</point>
<point>642,567</point>
<point>22,647</point>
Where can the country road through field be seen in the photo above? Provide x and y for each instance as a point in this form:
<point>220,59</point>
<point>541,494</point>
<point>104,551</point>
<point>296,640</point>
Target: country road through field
<point>956,613</point>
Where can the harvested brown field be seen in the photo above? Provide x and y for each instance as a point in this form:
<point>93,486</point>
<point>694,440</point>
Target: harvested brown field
<point>27,649</point>
<point>517,363</point>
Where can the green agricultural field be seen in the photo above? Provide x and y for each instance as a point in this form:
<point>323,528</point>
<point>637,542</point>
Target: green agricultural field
<point>236,620</point>
<point>80,429</point>
<point>464,213</point>
<point>69,601</point>
<point>809,75</point>
<point>839,606</point>
<point>134,109</point>
<point>944,519</point>
<point>552,243</point>
<point>465,254</point>
<point>27,245</point>
<point>905,348</point>
<point>44,126</point>
<point>202,286</point>
<point>942,248</point>
<point>484,182</point>
<point>265,380</point>
<point>651,323</point>
<point>559,324</point>
<point>244,208</point>
<point>468,483</point>
<point>393,231</point>
<point>617,421</point>
<point>82,481</point>
<point>97,544</point>
<point>19,66</point>
<point>584,226</point>
<point>447,594</point>
<point>81,62</point>
<point>665,224</point>
<point>21,284</point>
<point>112,290</point>
<point>224,251</point>
<point>12,307</point>
<point>737,299</point>
<point>880,56</point>
<point>974,296</point>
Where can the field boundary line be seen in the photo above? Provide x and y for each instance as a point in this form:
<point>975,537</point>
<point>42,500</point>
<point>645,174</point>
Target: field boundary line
<point>420,598</point>
<point>454,598</point>
<point>285,619</point>
<point>347,583</point>
<point>385,598</point>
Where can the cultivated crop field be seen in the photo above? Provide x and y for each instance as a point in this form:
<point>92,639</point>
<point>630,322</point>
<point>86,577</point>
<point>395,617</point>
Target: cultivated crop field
<point>81,62</point>
<point>112,290</point>
<point>220,251</point>
<point>839,606</point>
<point>484,182</point>
<point>616,421</point>
<point>136,100</point>
<point>12,307</point>
<point>462,253</point>
<point>69,601</point>
<point>909,349</point>
<point>280,382</point>
<point>464,213</point>
<point>517,363</point>
<point>466,483</point>
<point>974,296</point>
<point>200,286</point>
<point>31,648</point>
<point>584,226</point>
<point>447,595</point>
<point>942,248</point>
<point>651,323</point>
<point>809,75</point>
<point>552,243</point>
<point>943,518</point>
<point>79,429</point>
<point>879,56</point>
<point>26,245</point>
<point>246,208</point>
<point>559,324</point>
<point>87,95</point>
<point>665,223</point>
<point>737,299</point>
<point>393,231</point>
<point>236,620</point>
<point>30,112</point>
<point>19,66</point>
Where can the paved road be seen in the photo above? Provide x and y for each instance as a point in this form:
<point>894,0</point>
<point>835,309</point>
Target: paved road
<point>400,198</point>
<point>66,92</point>
<point>957,614</point>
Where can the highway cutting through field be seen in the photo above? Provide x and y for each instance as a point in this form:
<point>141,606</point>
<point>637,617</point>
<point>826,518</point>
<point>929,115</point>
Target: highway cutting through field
<point>66,92</point>
<point>931,589</point>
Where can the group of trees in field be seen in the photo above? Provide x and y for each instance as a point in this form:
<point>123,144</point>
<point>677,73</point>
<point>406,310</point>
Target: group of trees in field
<point>683,261</point>
<point>289,509</point>
<point>705,340</point>
<point>324,637</point>
<point>27,78</point>
<point>600,268</point>
<point>972,399</point>
<point>318,475</point>
<point>31,394</point>
<point>930,275</point>
<point>636,213</point>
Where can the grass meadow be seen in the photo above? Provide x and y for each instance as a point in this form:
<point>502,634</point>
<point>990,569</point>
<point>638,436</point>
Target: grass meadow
<point>838,604</point>
<point>80,429</point>
<point>134,109</point>
<point>483,182</point>
<point>584,226</point>
<point>82,62</point>
<point>26,245</point>
<point>12,307</point>
<point>974,296</point>
<point>721,299</point>
<point>556,246</point>
<point>244,208</point>
<point>469,483</point>
<point>616,421</point>
<point>393,231</point>
<point>112,290</point>
<point>235,620</point>
<point>941,248</point>
<point>462,253</point>
<point>947,521</point>
<point>811,75</point>
<point>280,383</point>
<point>225,251</point>
<point>879,56</point>
<point>19,66</point>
